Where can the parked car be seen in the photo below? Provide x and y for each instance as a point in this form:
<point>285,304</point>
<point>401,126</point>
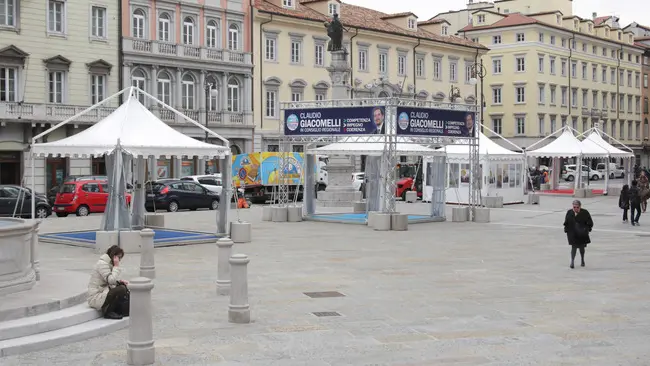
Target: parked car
<point>211,182</point>
<point>614,170</point>
<point>51,194</point>
<point>568,173</point>
<point>83,198</point>
<point>18,200</point>
<point>357,180</point>
<point>174,195</point>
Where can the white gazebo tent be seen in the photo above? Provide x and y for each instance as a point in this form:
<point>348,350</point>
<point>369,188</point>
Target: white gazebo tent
<point>566,146</point>
<point>502,170</point>
<point>375,147</point>
<point>593,138</point>
<point>132,132</point>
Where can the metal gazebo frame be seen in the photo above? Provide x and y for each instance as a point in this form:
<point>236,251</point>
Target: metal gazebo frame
<point>390,156</point>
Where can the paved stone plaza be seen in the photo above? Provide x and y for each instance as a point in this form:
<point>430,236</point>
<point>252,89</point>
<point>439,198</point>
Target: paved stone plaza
<point>440,294</point>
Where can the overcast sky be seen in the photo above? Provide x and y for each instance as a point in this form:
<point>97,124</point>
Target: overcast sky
<point>627,10</point>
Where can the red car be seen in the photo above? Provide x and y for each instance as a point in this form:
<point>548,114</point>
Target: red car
<point>83,198</point>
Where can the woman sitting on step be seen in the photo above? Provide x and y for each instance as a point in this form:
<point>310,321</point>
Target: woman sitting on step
<point>106,291</point>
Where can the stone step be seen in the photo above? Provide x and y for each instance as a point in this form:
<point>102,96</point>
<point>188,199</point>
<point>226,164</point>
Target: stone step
<point>47,322</point>
<point>55,291</point>
<point>76,333</point>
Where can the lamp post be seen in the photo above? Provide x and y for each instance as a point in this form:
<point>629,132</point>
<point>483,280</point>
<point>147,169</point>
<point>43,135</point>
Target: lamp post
<point>454,94</point>
<point>478,70</point>
<point>209,92</point>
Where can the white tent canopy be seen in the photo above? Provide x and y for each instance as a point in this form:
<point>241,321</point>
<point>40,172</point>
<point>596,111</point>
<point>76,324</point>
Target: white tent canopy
<point>139,133</point>
<point>595,140</point>
<point>487,148</point>
<point>568,146</point>
<point>373,147</point>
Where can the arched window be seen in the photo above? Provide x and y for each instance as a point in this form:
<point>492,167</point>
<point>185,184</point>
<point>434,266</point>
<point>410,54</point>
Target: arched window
<point>212,34</point>
<point>235,149</point>
<point>188,31</point>
<point>139,23</point>
<point>645,105</point>
<point>233,95</point>
<point>165,88</point>
<point>233,37</point>
<point>139,80</point>
<point>383,94</point>
<point>188,92</point>
<point>164,27</point>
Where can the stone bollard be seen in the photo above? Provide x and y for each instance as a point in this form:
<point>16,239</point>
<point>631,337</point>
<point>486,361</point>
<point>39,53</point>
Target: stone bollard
<point>294,213</point>
<point>36,265</point>
<point>459,214</point>
<point>267,213</point>
<point>240,232</point>
<point>224,251</point>
<point>140,348</point>
<point>481,215</point>
<point>147,260</point>
<point>239,310</point>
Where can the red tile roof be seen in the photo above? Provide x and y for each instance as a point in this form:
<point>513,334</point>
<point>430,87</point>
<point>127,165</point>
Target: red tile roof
<point>353,16</point>
<point>517,19</point>
<point>433,21</point>
<point>601,20</point>
<point>399,15</point>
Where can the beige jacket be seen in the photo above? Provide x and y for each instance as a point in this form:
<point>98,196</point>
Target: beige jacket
<point>103,277</point>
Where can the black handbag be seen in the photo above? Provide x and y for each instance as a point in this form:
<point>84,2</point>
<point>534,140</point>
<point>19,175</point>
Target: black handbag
<point>124,303</point>
<point>581,231</point>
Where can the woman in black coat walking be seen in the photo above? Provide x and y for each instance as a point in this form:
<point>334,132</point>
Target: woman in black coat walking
<point>577,226</point>
<point>624,201</point>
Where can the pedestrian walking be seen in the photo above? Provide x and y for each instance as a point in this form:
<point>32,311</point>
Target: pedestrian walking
<point>577,226</point>
<point>635,203</point>
<point>644,190</point>
<point>624,201</point>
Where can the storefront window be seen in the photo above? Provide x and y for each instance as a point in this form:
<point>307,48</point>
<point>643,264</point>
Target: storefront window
<point>164,168</point>
<point>99,166</point>
<point>454,175</point>
<point>187,167</point>
<point>56,169</point>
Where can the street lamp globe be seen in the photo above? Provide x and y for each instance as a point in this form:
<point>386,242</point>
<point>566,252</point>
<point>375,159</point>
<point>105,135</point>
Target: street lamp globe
<point>473,81</point>
<point>214,92</point>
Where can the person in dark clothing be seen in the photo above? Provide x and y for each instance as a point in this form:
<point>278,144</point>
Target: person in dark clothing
<point>635,203</point>
<point>577,226</point>
<point>624,201</point>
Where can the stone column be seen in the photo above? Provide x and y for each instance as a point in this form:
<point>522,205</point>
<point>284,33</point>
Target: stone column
<point>179,87</point>
<point>153,168</point>
<point>239,309</point>
<point>147,260</point>
<point>140,348</point>
<point>224,251</point>
<point>224,91</point>
<point>154,86</point>
<point>247,93</point>
<point>202,93</point>
<point>339,70</point>
<point>126,76</point>
<point>34,251</point>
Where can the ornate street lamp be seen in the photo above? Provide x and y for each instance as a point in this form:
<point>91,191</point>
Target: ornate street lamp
<point>454,94</point>
<point>478,70</point>
<point>210,91</point>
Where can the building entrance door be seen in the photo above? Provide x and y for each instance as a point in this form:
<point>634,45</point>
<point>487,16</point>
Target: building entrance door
<point>10,167</point>
<point>55,172</point>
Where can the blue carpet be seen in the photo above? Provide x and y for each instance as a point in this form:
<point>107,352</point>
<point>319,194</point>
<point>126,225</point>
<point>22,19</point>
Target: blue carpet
<point>361,217</point>
<point>160,236</point>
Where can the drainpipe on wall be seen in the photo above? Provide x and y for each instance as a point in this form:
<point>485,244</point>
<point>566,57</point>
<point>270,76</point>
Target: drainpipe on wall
<point>352,63</point>
<point>415,82</point>
<point>261,52</point>
<point>120,51</point>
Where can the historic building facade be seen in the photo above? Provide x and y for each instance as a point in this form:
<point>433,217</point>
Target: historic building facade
<point>389,54</point>
<point>195,57</point>
<point>551,69</point>
<point>56,59</point>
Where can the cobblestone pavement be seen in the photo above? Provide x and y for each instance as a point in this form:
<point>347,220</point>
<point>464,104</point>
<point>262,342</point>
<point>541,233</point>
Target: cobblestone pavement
<point>440,294</point>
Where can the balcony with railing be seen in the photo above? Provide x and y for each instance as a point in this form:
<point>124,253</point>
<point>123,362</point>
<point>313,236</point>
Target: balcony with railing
<point>149,47</point>
<point>215,118</point>
<point>28,112</point>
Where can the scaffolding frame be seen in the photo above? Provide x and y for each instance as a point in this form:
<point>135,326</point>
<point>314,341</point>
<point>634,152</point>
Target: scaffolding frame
<point>390,139</point>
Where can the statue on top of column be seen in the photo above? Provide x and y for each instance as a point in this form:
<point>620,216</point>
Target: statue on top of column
<point>335,32</point>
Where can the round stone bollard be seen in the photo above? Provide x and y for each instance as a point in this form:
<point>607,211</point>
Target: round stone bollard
<point>140,348</point>
<point>147,261</point>
<point>224,251</point>
<point>239,310</point>
<point>240,232</point>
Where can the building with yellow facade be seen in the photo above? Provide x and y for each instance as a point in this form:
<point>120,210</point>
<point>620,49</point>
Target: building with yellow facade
<point>390,55</point>
<point>550,69</point>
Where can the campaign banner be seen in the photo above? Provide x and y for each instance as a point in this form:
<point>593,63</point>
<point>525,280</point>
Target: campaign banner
<point>335,121</point>
<point>435,122</point>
